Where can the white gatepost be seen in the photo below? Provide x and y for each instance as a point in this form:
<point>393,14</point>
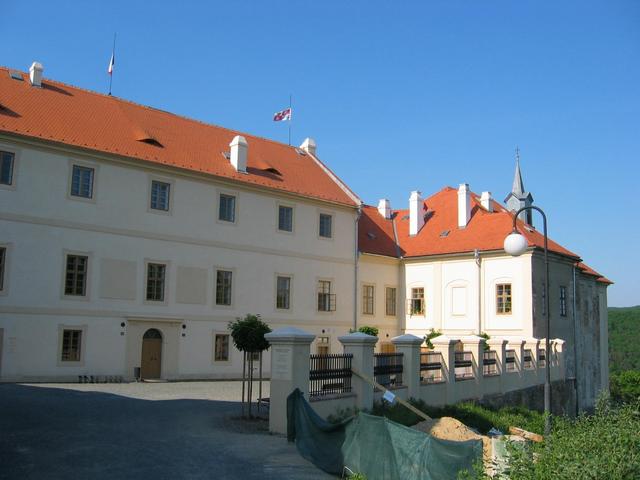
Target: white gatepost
<point>475,345</point>
<point>498,345</point>
<point>446,347</point>
<point>409,346</point>
<point>290,348</point>
<point>361,346</point>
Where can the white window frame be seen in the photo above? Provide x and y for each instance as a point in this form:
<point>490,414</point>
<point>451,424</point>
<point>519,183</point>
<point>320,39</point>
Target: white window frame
<point>167,276</point>
<point>7,268</point>
<point>293,217</point>
<point>215,287</point>
<point>373,298</point>
<point>87,291</point>
<point>213,350</point>
<point>290,277</point>
<point>94,184</point>
<point>14,169</point>
<point>83,345</point>
<point>333,224</point>
<point>236,211</point>
<point>331,292</point>
<point>172,194</point>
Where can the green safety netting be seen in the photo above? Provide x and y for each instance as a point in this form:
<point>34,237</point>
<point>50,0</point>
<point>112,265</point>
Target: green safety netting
<point>375,446</point>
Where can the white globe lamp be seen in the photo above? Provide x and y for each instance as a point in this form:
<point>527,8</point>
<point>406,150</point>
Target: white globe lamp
<point>515,244</point>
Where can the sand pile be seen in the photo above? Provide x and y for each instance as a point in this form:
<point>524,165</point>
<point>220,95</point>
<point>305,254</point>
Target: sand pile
<point>447,428</point>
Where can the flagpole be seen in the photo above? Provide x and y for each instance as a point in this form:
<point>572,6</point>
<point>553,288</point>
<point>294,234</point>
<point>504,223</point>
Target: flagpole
<point>113,52</point>
<point>290,115</point>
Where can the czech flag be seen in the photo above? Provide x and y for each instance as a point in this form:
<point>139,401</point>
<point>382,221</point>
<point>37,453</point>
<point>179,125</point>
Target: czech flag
<point>283,115</point>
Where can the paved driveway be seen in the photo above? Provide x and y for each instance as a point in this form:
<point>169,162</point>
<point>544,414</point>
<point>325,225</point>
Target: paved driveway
<point>180,430</point>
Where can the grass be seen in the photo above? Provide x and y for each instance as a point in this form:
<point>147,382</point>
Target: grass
<point>471,414</point>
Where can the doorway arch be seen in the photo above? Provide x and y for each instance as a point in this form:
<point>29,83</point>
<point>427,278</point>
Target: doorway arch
<point>151,361</point>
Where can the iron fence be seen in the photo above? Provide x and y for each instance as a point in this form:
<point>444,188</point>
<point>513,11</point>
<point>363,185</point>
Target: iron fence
<point>542,358</point>
<point>387,369</point>
<point>489,363</point>
<point>329,374</point>
<point>527,360</point>
<point>431,367</point>
<point>464,365</point>
<point>510,360</point>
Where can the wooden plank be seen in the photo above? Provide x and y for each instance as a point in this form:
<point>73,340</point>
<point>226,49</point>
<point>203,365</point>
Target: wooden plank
<point>534,437</point>
<point>402,402</point>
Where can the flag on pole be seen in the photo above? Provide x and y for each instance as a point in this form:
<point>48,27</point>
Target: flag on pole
<point>283,115</point>
<point>112,62</point>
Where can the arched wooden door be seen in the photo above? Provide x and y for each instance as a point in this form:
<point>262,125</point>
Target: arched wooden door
<point>151,362</point>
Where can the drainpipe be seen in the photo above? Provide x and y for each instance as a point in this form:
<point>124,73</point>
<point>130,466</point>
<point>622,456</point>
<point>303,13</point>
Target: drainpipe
<point>355,273</point>
<point>476,256</point>
<point>575,343</point>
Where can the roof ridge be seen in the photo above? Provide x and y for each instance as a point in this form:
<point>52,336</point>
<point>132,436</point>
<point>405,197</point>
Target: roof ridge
<point>149,107</point>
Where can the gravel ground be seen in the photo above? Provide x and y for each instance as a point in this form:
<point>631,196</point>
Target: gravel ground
<point>185,430</point>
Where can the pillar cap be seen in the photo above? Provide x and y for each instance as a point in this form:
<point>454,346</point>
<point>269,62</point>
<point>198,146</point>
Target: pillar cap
<point>407,339</point>
<point>289,335</point>
<point>472,339</point>
<point>358,338</point>
<point>497,341</point>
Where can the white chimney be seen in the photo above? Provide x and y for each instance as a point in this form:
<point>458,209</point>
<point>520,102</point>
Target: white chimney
<point>416,212</point>
<point>464,205</point>
<point>309,146</point>
<point>384,208</point>
<point>35,74</point>
<point>238,159</point>
<point>485,201</point>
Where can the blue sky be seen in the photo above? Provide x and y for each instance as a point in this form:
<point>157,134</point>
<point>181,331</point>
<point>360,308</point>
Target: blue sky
<point>398,95</point>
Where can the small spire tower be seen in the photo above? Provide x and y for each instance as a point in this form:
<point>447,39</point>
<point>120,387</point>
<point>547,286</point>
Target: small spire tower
<point>519,197</point>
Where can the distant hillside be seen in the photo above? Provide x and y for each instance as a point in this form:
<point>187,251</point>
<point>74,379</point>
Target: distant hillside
<point>624,338</point>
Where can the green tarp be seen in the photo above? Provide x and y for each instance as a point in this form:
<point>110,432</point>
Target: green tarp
<point>375,446</point>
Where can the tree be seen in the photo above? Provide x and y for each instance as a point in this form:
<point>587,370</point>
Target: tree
<point>248,337</point>
<point>373,331</point>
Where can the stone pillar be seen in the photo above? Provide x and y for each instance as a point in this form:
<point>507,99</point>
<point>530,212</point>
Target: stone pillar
<point>361,346</point>
<point>498,345</point>
<point>515,380</point>
<point>446,347</point>
<point>535,376</point>
<point>558,366</point>
<point>475,345</point>
<point>409,346</point>
<point>290,348</point>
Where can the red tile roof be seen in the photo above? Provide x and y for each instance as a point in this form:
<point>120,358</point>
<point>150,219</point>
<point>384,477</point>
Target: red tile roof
<point>375,233</point>
<point>441,235</point>
<point>587,270</point>
<point>69,115</point>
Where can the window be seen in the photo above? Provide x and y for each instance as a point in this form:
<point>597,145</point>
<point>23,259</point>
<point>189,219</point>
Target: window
<point>283,292</point>
<point>563,301</point>
<point>227,208</point>
<point>82,182</point>
<point>221,353</point>
<point>6,168</point>
<point>323,346</point>
<point>326,299</point>
<point>3,262</point>
<point>367,299</point>
<point>76,275</point>
<point>503,298</point>
<point>71,344</point>
<point>285,218</point>
<point>223,287</point>
<point>160,195</point>
<point>390,301</point>
<point>416,302</point>
<point>325,225</point>
<point>155,281</point>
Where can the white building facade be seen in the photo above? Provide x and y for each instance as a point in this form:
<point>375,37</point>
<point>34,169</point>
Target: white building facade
<point>130,238</point>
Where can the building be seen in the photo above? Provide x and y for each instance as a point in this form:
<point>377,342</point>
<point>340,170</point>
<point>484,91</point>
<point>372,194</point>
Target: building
<point>130,237</point>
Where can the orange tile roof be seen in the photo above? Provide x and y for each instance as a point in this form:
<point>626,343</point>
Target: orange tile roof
<point>587,270</point>
<point>485,231</point>
<point>375,233</point>
<point>73,116</point>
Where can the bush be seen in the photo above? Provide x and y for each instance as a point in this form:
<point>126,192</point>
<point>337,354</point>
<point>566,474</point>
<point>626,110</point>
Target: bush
<point>604,445</point>
<point>373,331</point>
<point>625,386</point>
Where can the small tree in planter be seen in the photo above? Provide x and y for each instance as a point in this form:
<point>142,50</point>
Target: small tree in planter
<point>430,336</point>
<point>248,337</point>
<point>373,331</point>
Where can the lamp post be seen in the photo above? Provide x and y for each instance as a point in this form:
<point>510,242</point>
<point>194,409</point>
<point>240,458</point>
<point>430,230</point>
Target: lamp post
<point>515,244</point>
